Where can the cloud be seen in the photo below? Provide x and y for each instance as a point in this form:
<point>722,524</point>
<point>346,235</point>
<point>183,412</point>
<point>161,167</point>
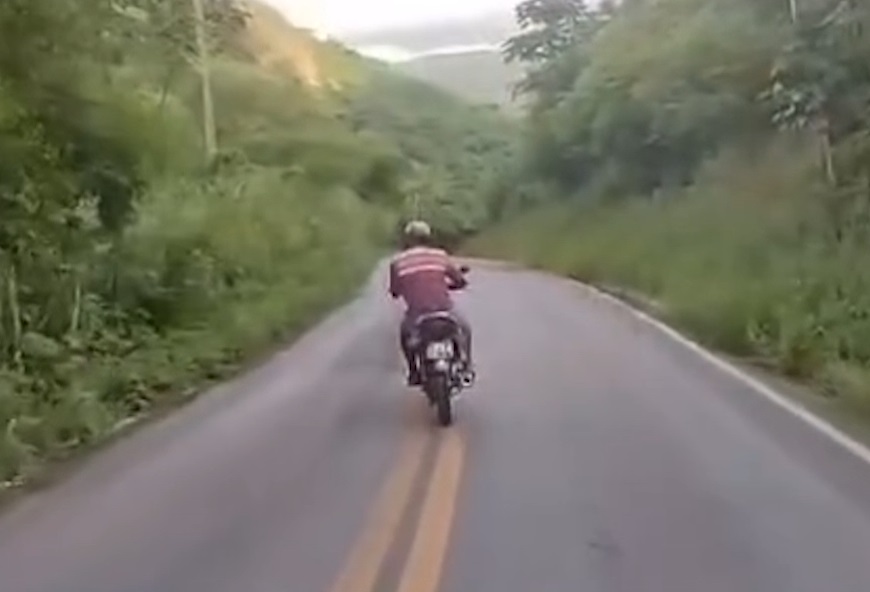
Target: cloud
<point>341,16</point>
<point>393,54</point>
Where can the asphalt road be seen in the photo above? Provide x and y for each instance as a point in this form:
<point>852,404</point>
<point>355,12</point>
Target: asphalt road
<point>595,454</point>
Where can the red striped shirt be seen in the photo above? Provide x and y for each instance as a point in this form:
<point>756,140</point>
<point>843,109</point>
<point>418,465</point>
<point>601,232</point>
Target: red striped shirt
<point>420,276</point>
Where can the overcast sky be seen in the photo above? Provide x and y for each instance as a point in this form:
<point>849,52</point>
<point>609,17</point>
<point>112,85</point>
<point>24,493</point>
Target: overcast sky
<point>340,16</point>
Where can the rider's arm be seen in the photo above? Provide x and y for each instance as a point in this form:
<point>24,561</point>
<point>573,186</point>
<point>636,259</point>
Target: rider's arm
<point>394,280</point>
<point>456,279</point>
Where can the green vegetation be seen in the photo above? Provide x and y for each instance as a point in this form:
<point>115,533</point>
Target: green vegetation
<point>712,155</point>
<point>132,267</point>
<point>479,76</point>
<point>455,154</point>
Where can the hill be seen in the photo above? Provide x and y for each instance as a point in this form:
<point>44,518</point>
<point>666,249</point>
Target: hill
<point>379,101</point>
<point>480,76</point>
<point>460,56</point>
<point>278,46</point>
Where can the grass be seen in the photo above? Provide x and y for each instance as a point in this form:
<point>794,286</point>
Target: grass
<point>746,260</point>
<point>294,252</point>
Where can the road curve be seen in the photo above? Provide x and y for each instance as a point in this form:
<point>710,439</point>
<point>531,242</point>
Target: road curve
<point>595,454</point>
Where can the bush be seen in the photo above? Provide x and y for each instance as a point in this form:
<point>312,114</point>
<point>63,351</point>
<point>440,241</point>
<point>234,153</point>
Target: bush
<point>744,259</point>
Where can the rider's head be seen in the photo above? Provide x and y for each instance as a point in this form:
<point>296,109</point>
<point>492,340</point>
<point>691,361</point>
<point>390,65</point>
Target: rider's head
<point>416,233</point>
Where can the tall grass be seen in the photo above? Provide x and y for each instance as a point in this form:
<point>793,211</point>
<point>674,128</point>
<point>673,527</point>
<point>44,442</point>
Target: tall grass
<point>208,274</point>
<point>753,259</point>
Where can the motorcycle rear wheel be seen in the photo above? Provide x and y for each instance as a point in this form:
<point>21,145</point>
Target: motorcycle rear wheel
<point>438,390</point>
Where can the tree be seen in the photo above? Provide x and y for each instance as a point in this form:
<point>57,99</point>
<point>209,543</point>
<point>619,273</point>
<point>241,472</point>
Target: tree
<point>636,96</point>
<point>549,28</point>
<point>820,81</point>
<point>550,43</point>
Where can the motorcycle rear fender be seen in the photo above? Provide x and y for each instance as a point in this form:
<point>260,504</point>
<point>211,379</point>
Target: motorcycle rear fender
<point>436,328</point>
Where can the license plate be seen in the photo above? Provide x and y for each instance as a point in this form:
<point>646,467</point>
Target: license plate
<point>439,350</point>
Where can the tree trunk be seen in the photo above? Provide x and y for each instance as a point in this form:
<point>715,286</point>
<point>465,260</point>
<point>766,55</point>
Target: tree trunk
<point>823,129</point>
<point>164,87</point>
<point>14,313</point>
<point>75,316</point>
<point>208,123</point>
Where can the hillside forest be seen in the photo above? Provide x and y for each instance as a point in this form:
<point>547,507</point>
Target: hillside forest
<point>179,193</point>
<point>709,159</point>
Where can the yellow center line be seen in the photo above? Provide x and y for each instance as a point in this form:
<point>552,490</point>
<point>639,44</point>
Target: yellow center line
<point>361,570</point>
<point>423,570</point>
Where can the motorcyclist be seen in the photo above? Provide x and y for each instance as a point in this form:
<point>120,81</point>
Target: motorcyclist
<point>423,276</point>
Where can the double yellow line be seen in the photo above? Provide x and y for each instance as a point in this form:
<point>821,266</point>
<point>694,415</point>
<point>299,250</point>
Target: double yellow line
<point>422,570</point>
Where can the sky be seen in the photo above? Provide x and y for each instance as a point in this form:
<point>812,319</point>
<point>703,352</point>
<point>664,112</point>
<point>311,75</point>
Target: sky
<point>335,17</point>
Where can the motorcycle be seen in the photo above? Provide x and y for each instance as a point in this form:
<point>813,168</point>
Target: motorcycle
<point>441,362</point>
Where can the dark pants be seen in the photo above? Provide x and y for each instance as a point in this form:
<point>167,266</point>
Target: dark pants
<point>407,327</point>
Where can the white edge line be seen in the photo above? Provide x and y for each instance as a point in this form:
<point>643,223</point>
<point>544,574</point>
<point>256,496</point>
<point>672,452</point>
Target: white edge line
<point>784,402</point>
